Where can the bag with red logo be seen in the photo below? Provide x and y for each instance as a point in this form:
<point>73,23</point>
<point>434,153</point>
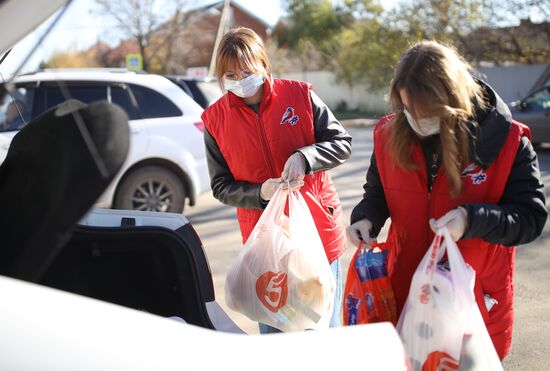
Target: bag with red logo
<point>368,294</point>
<point>441,325</point>
<point>282,276</point>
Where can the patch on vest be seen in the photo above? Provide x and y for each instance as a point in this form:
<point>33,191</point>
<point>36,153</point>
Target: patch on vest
<point>289,117</point>
<point>476,174</point>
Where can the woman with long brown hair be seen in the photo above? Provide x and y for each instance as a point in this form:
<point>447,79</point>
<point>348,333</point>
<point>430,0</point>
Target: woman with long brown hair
<point>452,156</point>
<point>265,132</point>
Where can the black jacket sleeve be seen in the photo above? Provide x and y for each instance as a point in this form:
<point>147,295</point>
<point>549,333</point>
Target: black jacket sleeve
<point>332,142</point>
<point>373,206</point>
<point>224,187</point>
<point>521,213</point>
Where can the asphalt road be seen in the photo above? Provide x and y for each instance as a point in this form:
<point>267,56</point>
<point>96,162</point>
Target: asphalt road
<point>217,226</point>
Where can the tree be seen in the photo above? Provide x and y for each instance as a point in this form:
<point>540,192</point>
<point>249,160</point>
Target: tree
<point>313,23</point>
<point>511,35</point>
<point>363,43</point>
<point>447,21</point>
<point>483,30</point>
<point>71,59</point>
<point>368,53</point>
<point>153,24</point>
<point>511,12</point>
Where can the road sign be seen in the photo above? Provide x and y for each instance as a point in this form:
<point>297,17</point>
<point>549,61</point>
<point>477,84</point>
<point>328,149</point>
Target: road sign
<point>197,72</point>
<point>134,62</point>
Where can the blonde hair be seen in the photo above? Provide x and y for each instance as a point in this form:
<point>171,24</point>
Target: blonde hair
<point>437,82</point>
<point>242,47</point>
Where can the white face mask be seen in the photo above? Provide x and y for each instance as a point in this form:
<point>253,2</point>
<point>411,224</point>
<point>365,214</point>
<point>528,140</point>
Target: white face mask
<point>246,87</point>
<point>423,127</point>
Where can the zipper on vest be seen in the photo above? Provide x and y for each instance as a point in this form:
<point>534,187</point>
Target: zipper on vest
<point>432,173</point>
<point>265,148</point>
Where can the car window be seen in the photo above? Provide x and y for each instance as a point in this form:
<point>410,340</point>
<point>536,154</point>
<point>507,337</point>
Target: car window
<point>152,104</point>
<point>186,87</point>
<point>16,108</point>
<point>82,92</point>
<point>539,101</point>
<point>121,97</point>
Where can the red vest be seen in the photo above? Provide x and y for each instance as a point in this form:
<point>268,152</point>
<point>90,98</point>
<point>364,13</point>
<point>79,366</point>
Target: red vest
<point>257,145</point>
<point>411,206</point>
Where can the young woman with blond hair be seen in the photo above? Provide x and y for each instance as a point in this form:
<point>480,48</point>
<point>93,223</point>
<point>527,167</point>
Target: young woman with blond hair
<point>451,155</point>
<point>265,132</point>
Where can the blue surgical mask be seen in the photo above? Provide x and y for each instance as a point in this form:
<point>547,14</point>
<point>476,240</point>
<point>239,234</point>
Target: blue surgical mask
<point>423,127</point>
<point>246,87</point>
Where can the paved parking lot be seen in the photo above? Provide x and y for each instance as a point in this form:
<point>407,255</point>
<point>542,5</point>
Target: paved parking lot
<point>217,226</point>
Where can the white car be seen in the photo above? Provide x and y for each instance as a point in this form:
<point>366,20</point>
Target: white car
<point>166,163</point>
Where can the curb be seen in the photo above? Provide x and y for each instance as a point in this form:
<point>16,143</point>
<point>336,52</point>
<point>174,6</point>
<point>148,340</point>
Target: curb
<point>359,122</point>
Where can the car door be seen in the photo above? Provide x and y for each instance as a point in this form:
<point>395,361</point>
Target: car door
<point>120,94</point>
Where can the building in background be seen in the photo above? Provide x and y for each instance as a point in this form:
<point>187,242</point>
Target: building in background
<point>193,43</point>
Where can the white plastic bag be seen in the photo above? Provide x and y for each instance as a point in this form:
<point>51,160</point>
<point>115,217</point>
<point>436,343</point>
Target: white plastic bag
<point>282,276</point>
<point>441,326</point>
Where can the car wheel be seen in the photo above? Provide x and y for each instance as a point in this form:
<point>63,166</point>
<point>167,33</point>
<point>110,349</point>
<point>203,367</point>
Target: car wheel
<point>151,188</point>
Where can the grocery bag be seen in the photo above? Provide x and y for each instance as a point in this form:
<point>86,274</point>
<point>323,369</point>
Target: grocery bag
<point>368,294</point>
<point>441,326</point>
<point>282,276</point>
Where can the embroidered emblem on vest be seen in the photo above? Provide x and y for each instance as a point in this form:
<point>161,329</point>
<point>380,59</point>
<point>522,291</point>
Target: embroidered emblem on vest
<point>476,174</point>
<point>289,117</point>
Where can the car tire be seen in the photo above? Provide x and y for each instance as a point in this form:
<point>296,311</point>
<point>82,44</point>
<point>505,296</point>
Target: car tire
<point>151,188</point>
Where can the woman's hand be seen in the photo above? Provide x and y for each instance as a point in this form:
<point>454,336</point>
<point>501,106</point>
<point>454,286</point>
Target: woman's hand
<point>295,168</point>
<point>455,221</point>
<point>360,231</point>
<point>270,186</point>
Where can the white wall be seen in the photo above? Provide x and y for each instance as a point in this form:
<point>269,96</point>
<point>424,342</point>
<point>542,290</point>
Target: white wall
<point>325,85</point>
<point>510,82</point>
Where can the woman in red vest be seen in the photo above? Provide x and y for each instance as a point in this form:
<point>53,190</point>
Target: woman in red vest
<point>451,155</point>
<point>265,132</point>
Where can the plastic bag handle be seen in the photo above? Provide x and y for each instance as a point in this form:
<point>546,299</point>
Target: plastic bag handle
<point>373,244</point>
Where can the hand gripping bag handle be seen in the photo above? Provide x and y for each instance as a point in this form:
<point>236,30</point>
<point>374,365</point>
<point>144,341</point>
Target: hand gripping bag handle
<point>273,211</point>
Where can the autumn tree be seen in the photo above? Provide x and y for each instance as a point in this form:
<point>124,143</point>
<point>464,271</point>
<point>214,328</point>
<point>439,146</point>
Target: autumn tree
<point>71,59</point>
<point>496,31</point>
<point>153,24</point>
<point>312,27</point>
<point>362,43</point>
<point>350,37</point>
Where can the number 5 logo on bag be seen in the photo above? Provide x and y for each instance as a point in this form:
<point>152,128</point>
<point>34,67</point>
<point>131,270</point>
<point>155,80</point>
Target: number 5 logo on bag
<point>272,290</point>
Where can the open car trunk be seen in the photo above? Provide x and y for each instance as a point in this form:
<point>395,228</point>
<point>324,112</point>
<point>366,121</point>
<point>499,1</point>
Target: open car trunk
<point>148,261</point>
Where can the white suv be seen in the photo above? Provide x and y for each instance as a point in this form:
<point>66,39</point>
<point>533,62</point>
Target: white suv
<point>166,163</point>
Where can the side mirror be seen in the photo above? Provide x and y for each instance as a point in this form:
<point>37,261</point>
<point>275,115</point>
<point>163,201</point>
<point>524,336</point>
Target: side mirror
<point>522,106</point>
